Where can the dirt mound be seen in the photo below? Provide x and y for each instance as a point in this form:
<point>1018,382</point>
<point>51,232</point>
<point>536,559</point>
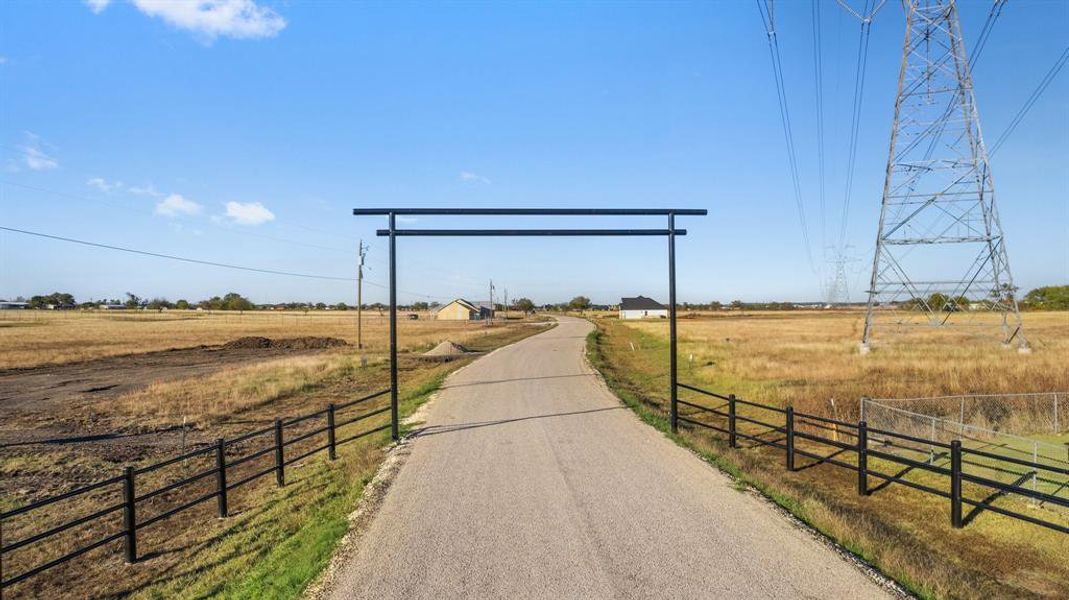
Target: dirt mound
<point>446,348</point>
<point>298,343</point>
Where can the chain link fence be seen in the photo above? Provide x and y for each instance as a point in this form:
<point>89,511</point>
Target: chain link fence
<point>1030,427</point>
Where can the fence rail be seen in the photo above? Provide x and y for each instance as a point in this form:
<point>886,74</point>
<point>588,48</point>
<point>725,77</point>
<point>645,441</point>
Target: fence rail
<point>133,500</point>
<point>865,443</point>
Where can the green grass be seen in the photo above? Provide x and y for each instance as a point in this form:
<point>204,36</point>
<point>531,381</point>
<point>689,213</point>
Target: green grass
<point>286,539</point>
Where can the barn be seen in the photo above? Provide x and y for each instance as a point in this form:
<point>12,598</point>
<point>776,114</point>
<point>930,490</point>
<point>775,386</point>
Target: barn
<point>462,310</point>
<point>641,307</point>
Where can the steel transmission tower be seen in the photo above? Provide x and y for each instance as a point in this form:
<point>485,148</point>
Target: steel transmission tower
<point>940,255</point>
<point>838,288</point>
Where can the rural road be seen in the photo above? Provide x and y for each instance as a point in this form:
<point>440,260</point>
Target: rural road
<point>531,480</point>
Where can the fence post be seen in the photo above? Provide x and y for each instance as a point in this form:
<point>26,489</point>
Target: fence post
<point>220,476</point>
<point>1035,469</point>
<point>280,463</point>
<point>790,438</point>
<point>955,484</point>
<point>331,444</point>
<point>863,458</point>
<point>931,446</point>
<point>129,516</point>
<point>732,438</point>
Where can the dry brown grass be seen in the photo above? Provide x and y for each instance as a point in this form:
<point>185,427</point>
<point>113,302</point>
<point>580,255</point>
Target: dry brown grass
<point>275,540</point>
<point>34,338</point>
<point>230,391</point>
<point>806,359</point>
<point>809,359</point>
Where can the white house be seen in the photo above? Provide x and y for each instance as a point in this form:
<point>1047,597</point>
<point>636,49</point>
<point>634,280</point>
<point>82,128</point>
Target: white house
<point>642,307</point>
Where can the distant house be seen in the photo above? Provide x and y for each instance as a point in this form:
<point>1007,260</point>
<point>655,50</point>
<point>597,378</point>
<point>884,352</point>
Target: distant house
<point>5,305</point>
<point>111,307</point>
<point>462,310</point>
<point>642,307</point>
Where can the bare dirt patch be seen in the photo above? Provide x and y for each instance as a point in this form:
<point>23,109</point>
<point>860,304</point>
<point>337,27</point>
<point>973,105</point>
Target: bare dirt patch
<point>55,401</point>
<point>298,343</point>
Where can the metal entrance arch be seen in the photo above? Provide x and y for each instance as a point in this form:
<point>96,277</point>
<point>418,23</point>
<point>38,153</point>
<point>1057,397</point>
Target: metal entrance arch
<point>671,232</point>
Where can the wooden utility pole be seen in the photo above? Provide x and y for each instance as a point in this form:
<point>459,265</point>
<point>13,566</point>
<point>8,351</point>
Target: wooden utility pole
<point>360,297</point>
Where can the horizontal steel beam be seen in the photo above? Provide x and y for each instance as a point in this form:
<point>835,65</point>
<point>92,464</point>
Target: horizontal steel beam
<point>529,232</point>
<point>532,211</point>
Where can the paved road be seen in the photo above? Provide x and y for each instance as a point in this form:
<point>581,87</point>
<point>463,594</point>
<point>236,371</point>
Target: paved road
<point>532,481</point>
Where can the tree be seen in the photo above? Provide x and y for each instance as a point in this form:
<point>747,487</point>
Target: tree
<point>420,306</point>
<point>579,303</point>
<point>525,305</point>
<point>235,301</point>
<point>938,301</point>
<point>159,304</point>
<point>55,299</point>
<point>341,306</point>
<point>133,301</point>
<point>1051,297</point>
<point>182,304</point>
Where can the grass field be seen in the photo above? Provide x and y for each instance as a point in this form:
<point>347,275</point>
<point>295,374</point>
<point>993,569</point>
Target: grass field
<point>39,337</point>
<point>809,360</point>
<point>276,540</point>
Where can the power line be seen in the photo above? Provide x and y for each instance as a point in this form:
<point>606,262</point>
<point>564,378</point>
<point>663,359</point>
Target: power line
<point>818,73</point>
<point>855,119</point>
<point>144,212</point>
<point>173,257</point>
<point>765,8</point>
<point>1030,102</point>
<point>204,262</point>
<point>985,31</point>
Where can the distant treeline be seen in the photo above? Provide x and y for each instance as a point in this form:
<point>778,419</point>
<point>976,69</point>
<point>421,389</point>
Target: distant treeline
<point>1054,297</point>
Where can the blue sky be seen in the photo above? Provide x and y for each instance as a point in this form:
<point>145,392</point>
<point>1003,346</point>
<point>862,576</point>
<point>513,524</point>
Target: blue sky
<point>247,135</point>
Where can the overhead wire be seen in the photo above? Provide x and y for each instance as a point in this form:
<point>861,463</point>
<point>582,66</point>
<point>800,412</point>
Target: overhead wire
<point>150,213</point>
<point>210,263</point>
<point>985,31</point>
<point>818,74</point>
<point>765,8</point>
<point>855,118</point>
<point>222,227</point>
<point>1031,101</point>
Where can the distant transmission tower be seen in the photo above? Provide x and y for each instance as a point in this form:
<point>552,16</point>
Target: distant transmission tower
<point>940,253</point>
<point>838,288</point>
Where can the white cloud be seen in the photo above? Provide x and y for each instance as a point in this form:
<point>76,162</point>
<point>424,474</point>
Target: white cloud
<point>35,158</point>
<point>97,6</point>
<point>104,185</point>
<point>469,177</point>
<point>209,19</point>
<point>175,205</point>
<point>248,213</point>
<point>144,190</point>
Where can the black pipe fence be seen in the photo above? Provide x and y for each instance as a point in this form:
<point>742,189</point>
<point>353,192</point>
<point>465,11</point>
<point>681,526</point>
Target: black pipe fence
<point>867,442</point>
<point>134,501</point>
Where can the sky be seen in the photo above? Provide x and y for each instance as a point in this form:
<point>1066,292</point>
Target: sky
<point>245,131</point>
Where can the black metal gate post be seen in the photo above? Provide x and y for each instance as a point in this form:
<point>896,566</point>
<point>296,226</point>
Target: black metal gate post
<point>674,410</point>
<point>394,429</point>
<point>393,233</point>
<point>955,484</point>
<point>129,516</point>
